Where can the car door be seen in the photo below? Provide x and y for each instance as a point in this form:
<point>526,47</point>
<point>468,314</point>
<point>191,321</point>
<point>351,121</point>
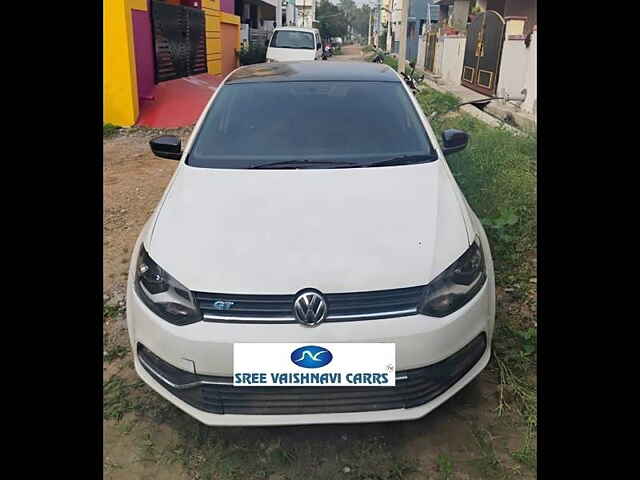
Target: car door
<point>318,50</point>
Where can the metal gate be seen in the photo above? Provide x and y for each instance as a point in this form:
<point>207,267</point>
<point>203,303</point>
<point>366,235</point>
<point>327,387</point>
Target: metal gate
<point>430,54</point>
<point>483,51</point>
<point>179,41</point>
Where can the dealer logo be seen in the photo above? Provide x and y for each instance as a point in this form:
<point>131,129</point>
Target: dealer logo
<point>311,356</point>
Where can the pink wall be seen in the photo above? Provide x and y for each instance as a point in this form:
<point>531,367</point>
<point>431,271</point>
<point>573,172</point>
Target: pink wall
<point>144,53</point>
<point>228,6</point>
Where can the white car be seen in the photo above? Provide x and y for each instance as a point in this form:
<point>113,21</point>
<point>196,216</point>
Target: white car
<point>312,204</point>
<point>290,44</point>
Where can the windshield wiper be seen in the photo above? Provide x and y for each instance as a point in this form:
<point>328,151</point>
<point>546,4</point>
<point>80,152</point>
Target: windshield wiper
<point>402,160</point>
<point>297,163</point>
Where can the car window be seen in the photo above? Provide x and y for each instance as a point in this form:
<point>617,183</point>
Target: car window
<point>350,121</point>
<point>292,39</point>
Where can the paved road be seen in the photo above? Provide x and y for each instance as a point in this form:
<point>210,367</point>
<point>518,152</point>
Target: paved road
<point>349,52</point>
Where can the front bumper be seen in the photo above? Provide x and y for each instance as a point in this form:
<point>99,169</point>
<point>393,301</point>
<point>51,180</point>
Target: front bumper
<point>206,350</point>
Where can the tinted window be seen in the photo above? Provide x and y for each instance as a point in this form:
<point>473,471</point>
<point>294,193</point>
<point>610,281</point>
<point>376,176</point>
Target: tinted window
<point>361,122</point>
<point>292,39</point>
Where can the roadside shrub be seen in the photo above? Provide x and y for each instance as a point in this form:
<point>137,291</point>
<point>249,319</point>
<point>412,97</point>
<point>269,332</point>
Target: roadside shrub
<point>497,173</point>
<point>253,54</point>
<point>392,62</point>
<point>109,130</point>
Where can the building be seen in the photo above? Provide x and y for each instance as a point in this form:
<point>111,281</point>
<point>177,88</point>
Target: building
<point>147,42</point>
<point>305,13</point>
<point>489,46</point>
<point>456,14</point>
<point>259,14</point>
<point>288,13</point>
<point>421,13</point>
<point>257,19</point>
<point>385,14</point>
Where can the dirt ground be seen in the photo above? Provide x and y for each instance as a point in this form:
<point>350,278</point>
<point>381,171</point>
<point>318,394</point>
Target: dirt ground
<point>145,437</point>
<point>349,53</point>
<point>134,180</point>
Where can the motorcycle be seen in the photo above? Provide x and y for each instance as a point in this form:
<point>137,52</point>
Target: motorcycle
<point>327,52</point>
<point>379,57</point>
<point>412,81</point>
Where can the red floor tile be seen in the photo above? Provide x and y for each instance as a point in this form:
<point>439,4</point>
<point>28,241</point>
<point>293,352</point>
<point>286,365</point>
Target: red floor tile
<point>178,103</point>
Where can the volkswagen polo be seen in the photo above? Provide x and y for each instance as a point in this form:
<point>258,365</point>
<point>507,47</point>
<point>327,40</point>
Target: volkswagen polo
<point>312,205</point>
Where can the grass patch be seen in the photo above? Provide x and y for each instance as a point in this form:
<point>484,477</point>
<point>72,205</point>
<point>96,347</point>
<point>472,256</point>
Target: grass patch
<point>110,311</point>
<point>497,173</point>
<point>445,467</point>
<point>433,101</point>
<point>392,62</point>
<point>213,453</point>
<point>115,352</point>
<point>117,399</point>
<point>487,464</point>
<point>108,130</point>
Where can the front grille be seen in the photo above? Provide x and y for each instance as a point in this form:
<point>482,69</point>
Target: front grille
<point>341,307</point>
<point>217,394</point>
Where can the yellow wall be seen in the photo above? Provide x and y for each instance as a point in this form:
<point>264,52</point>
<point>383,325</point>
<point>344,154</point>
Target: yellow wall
<point>211,9</point>
<point>234,20</point>
<point>212,19</point>
<point>138,4</point>
<point>120,89</point>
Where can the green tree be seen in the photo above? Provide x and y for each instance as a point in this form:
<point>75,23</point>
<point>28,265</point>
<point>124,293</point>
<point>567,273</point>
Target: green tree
<point>360,22</point>
<point>349,8</point>
<point>333,22</point>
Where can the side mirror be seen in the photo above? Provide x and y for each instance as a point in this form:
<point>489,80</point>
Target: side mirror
<point>166,146</point>
<point>454,140</point>
<point>318,45</point>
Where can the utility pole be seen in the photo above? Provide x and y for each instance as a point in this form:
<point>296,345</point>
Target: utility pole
<point>390,29</point>
<point>402,55</point>
<point>379,22</point>
<point>370,15</point>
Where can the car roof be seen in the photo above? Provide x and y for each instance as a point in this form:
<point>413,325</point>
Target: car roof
<point>313,71</point>
<point>301,29</point>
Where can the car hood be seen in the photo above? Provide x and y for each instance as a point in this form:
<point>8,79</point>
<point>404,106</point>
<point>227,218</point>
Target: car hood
<point>290,54</point>
<point>336,230</point>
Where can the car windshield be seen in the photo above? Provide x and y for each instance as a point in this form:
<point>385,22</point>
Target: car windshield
<point>344,123</point>
<point>292,39</point>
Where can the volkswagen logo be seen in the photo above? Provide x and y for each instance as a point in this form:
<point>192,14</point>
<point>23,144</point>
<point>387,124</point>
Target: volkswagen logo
<point>310,308</point>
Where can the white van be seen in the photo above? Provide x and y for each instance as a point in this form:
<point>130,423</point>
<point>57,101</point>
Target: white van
<point>289,44</point>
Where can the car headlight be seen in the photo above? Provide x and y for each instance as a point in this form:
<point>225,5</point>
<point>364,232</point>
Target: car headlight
<point>163,294</point>
<point>458,284</point>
